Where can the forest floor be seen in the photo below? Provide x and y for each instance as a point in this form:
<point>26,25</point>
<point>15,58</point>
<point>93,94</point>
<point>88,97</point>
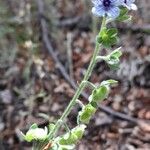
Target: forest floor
<point>43,56</point>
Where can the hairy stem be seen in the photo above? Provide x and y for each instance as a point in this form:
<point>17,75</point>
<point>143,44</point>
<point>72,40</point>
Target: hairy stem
<point>80,88</point>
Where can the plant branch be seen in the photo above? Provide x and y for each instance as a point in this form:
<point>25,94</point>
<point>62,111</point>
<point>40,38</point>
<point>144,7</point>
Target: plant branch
<point>78,92</point>
<point>81,86</point>
<point>61,68</point>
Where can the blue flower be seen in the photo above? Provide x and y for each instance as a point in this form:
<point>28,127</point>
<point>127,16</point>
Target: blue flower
<point>129,4</point>
<point>108,8</point>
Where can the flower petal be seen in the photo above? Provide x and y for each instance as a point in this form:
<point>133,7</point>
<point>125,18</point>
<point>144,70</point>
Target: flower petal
<point>114,12</point>
<point>98,11</point>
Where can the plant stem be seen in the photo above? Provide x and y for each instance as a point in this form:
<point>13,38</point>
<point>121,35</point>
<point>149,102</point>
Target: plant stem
<point>80,88</point>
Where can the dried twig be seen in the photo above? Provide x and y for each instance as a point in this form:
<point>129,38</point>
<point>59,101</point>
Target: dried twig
<point>69,54</point>
<point>49,46</point>
<point>118,114</point>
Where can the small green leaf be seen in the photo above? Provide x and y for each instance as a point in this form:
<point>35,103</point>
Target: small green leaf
<point>113,59</point>
<point>112,32</point>
<point>100,93</point>
<point>108,37</point>
<point>116,53</point>
<point>113,62</point>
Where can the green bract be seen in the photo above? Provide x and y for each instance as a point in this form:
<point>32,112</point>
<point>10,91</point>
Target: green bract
<point>100,93</point>
<point>86,113</point>
<point>107,37</point>
<point>35,133</point>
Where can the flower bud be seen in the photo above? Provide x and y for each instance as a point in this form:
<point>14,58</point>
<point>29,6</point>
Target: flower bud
<point>86,113</point>
<point>36,134</point>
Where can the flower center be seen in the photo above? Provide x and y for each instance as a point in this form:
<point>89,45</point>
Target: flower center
<point>106,3</point>
<point>125,1</point>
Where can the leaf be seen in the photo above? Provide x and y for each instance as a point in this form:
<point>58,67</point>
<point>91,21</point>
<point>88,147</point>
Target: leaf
<point>112,32</point>
<point>113,59</point>
<point>116,53</point>
<point>113,62</point>
<point>100,93</point>
<point>73,136</point>
<point>108,37</point>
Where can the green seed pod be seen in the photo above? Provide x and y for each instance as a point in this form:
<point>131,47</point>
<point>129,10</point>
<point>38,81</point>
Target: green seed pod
<point>86,113</point>
<point>99,94</point>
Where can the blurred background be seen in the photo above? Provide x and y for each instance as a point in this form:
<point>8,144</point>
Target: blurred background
<point>45,48</point>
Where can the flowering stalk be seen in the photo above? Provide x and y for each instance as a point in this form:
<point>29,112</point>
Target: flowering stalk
<point>45,139</point>
<point>81,86</point>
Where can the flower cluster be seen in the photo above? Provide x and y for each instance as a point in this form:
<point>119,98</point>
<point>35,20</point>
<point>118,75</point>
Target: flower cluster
<point>111,8</point>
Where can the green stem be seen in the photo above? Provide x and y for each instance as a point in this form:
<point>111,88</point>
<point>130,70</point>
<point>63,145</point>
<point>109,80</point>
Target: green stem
<point>80,88</point>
